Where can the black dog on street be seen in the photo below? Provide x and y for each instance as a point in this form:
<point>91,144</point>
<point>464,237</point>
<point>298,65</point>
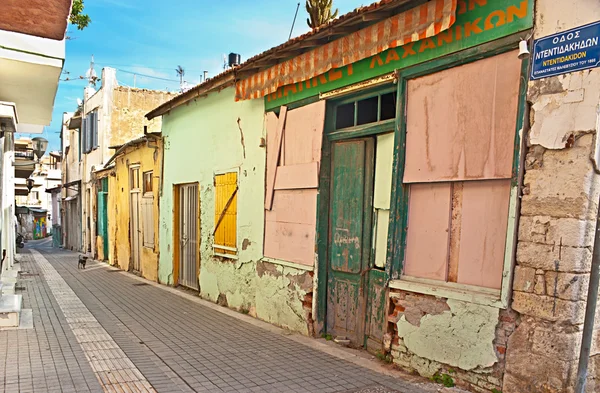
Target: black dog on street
<point>82,261</point>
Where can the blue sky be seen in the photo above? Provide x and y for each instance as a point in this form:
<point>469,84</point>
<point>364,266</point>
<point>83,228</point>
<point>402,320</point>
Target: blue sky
<point>152,37</point>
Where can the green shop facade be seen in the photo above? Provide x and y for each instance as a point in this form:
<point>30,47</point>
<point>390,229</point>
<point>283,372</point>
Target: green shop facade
<point>418,194</point>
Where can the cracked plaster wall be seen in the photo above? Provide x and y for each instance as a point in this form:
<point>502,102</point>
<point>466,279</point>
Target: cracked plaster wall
<point>214,134</point>
<point>461,336</point>
<point>433,335</point>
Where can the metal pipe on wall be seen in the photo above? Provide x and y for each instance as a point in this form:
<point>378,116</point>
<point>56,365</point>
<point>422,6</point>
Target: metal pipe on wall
<point>590,313</point>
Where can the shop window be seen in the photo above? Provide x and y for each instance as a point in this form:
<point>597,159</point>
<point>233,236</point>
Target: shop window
<point>365,111</point>
<point>344,116</point>
<point>225,231</point>
<point>461,126</point>
<point>388,106</point>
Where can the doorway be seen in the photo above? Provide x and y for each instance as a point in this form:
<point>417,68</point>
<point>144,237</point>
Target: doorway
<point>102,222</point>
<point>134,214</point>
<point>357,187</point>
<point>187,231</point>
<point>349,237</point>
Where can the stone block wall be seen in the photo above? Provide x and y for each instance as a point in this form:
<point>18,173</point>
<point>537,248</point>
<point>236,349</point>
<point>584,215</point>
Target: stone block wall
<point>557,222</point>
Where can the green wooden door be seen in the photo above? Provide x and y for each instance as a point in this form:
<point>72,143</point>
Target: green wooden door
<point>349,238</point>
<point>103,215</point>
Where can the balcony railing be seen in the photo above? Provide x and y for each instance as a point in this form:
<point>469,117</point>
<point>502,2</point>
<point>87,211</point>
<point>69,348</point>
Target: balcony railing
<point>25,154</point>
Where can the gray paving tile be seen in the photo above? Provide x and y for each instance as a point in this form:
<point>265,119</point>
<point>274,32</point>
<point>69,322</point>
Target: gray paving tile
<point>175,344</point>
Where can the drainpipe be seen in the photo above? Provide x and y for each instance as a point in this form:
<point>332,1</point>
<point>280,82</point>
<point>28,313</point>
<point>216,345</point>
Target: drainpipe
<point>590,312</point>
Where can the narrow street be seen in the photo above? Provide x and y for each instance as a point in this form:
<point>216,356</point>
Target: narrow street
<point>101,329</point>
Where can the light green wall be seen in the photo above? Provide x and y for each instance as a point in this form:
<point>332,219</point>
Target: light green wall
<point>205,137</point>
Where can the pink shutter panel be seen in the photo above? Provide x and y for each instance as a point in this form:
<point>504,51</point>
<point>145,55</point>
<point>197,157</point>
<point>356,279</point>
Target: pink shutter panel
<point>461,122</point>
<point>290,225</point>
<point>273,158</point>
<point>428,226</point>
<point>484,220</point>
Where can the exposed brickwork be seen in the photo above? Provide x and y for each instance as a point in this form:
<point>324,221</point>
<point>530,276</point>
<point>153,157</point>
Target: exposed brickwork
<point>481,380</point>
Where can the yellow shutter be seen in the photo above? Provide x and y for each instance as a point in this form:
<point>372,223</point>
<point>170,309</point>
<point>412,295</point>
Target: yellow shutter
<point>225,232</point>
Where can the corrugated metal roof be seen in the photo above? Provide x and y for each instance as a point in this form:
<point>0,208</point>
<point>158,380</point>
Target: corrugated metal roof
<point>344,25</point>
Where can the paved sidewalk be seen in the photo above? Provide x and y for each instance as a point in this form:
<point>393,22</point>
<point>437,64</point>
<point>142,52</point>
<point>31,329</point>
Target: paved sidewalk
<point>175,343</point>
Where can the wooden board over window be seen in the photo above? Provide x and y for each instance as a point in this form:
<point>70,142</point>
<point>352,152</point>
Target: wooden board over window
<point>457,232</point>
<point>461,122</point>
<point>290,225</point>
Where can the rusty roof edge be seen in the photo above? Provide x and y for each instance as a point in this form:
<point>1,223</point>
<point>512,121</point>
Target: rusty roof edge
<point>214,83</point>
<point>130,143</point>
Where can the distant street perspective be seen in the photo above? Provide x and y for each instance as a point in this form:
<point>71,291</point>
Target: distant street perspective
<point>314,196</point>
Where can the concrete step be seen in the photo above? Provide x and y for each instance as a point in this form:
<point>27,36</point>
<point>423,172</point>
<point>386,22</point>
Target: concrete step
<point>7,288</point>
<point>10,310</point>
<point>11,273</point>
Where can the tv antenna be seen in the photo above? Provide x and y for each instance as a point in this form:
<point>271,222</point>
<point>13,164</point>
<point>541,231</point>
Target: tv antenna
<point>91,74</point>
<point>294,22</point>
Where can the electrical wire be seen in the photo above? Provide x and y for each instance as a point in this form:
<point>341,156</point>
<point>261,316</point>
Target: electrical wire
<point>147,76</point>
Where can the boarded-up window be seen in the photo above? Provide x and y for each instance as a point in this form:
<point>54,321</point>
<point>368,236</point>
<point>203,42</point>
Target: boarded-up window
<point>290,222</point>
<point>461,126</point>
<point>148,220</point>
<point>225,232</point>
<point>461,122</point>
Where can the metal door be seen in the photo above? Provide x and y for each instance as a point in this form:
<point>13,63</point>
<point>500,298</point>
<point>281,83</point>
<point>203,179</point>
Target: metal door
<point>188,240</point>
<point>134,218</point>
<point>349,238</point>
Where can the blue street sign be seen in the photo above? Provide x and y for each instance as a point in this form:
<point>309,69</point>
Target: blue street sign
<point>568,51</point>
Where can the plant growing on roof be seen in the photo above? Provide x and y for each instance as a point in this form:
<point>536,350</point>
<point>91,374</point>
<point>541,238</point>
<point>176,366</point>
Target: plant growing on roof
<point>319,12</point>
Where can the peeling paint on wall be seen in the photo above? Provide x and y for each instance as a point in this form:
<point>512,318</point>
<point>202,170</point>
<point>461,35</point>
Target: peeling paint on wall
<point>461,336</point>
<point>222,135</point>
<point>267,291</point>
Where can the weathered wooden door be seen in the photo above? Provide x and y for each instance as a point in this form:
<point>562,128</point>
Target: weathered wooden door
<point>349,238</point>
<point>134,218</point>
<point>188,240</point>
